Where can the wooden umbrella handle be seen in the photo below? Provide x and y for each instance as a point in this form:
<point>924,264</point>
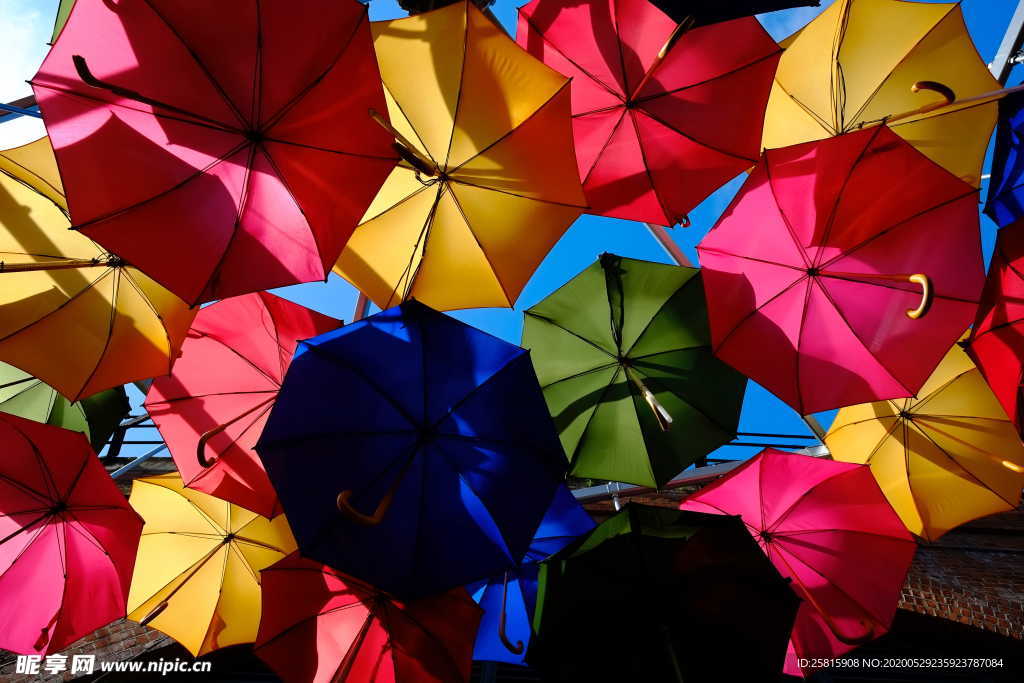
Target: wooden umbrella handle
<point>209,434</point>
<point>345,507</point>
<point>927,294</point>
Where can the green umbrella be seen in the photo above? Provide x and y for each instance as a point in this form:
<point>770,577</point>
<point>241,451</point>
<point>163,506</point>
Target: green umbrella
<point>63,10</point>
<point>659,594</point>
<point>623,354</point>
<point>96,416</point>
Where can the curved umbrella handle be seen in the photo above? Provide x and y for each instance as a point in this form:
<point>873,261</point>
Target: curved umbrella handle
<point>926,296</point>
<point>346,508</point>
<point>209,434</point>
<point>517,648</point>
<point>948,98</point>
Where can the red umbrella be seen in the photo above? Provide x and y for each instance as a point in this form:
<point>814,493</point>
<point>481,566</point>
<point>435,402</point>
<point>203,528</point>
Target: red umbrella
<point>67,538</point>
<point>660,119</point>
<point>221,147</point>
<point>212,407</point>
<point>820,275</point>
<point>828,527</point>
<point>997,339</point>
<point>321,626</point>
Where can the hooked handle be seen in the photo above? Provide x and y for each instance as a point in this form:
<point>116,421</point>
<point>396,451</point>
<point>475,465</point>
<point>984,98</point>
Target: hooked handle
<point>517,648</point>
<point>209,434</point>
<point>927,294</point>
<point>345,507</point>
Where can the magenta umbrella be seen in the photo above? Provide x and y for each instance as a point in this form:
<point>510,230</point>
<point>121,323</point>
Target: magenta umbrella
<point>68,538</point>
<point>828,527</point>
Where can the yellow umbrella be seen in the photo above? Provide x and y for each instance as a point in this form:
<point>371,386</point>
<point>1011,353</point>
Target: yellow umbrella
<point>197,574</point>
<point>944,457</point>
<point>489,180</point>
<point>858,62</point>
<point>71,314</point>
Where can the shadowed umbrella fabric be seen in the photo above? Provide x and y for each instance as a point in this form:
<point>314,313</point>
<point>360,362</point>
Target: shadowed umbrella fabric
<point>855,63</point>
<point>416,410</point>
<point>997,338</point>
<point>706,12</point>
<point>95,416</point>
<point>620,328</point>
<point>942,458</point>
<point>80,330</point>
<point>808,272</point>
<point>491,126</point>
<point>508,599</point>
<point>236,149</point>
<point>67,539</point>
<point>703,603</point>
<point>321,626</point>
<point>1006,187</point>
<point>654,137</point>
<point>223,386</point>
<point>197,572</point>
<point>33,164</point>
<point>826,526</point>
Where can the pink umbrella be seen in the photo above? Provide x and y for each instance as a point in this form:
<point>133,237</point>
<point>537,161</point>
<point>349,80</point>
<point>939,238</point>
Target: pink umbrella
<point>828,527</point>
<point>212,407</point>
<point>67,538</point>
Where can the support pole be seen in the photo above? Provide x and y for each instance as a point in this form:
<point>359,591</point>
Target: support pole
<point>1008,53</point>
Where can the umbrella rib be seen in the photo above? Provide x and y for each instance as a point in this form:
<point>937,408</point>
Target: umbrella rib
<point>190,397</point>
<point>39,178</point>
<point>256,106</point>
<point>408,120</point>
<point>903,59</point>
<point>782,214</point>
<point>599,368</point>
<point>76,525</point>
<point>220,589</point>
<point>441,646</point>
<point>551,321</point>
<point>243,201</point>
<point>939,389</point>
<point>634,398</point>
<point>973,476</point>
<point>712,79</point>
<point>152,309</point>
<point>418,190</point>
<point>275,382</point>
<point>597,406</point>
<point>867,419</point>
<point>328,150</point>
<point>47,475</point>
<point>799,344</point>
<point>297,624</point>
<point>947,110</point>
<point>849,326</point>
<point>834,210</point>
<point>104,272</point>
<point>288,106</point>
<point>198,173</point>
<point>529,20</point>
<point>650,321</point>
<point>78,476</point>
<point>806,532</point>
<point>501,138</point>
<point>245,563</point>
<point>462,80</point>
<point>479,244</point>
<point>552,202</point>
<point>752,313</point>
<point>706,145</point>
<point>110,333</point>
<point>605,145</point>
<point>409,274</point>
<point>613,6</point>
<point>891,285</point>
<point>687,400</point>
<point>753,259</point>
<point>895,226</point>
<point>643,157</point>
<point>24,488</point>
<point>458,404</point>
<point>828,128</point>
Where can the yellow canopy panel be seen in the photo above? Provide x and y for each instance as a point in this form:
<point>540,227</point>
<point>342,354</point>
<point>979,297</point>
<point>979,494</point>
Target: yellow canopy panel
<point>856,63</point>
<point>491,128</point>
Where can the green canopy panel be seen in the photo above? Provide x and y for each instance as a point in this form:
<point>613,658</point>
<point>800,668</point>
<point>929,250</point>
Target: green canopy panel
<point>63,11</point>
<point>96,416</point>
<point>615,346</point>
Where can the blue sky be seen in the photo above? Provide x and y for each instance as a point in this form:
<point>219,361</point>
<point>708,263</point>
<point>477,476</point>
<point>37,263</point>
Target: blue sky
<point>25,27</point>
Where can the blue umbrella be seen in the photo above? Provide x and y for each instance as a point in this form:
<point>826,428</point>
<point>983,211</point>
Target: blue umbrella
<point>412,451</point>
<point>508,598</point>
<point>1006,187</point>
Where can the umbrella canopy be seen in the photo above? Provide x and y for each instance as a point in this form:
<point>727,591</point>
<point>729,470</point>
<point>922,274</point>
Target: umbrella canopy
<point>34,164</point>
<point>821,274</point>
<point>197,572</point>
<point>212,408</point>
<point>704,12</point>
<point>861,61</point>
<point>488,183</point>
<point>87,321</point>
<point>828,528</point>
<point>216,126</point>
<point>997,337</point>
<point>67,539</point>
<point>1006,187</point>
<point>624,355</point>
<point>702,602</point>
<point>96,416</point>
<point>657,129</point>
<point>944,457</point>
<point>64,8</point>
<point>321,626</point>
<point>508,599</point>
<point>432,440</point>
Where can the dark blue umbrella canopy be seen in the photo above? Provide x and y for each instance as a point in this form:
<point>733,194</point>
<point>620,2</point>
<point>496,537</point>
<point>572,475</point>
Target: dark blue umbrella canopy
<point>439,437</point>
<point>1006,187</point>
<point>514,591</point>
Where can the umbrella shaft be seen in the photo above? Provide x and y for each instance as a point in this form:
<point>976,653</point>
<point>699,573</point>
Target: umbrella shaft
<point>51,265</point>
<point>685,25</point>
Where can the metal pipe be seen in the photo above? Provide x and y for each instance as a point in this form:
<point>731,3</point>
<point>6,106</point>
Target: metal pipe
<point>137,461</point>
<point>1008,53</point>
<point>659,233</point>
